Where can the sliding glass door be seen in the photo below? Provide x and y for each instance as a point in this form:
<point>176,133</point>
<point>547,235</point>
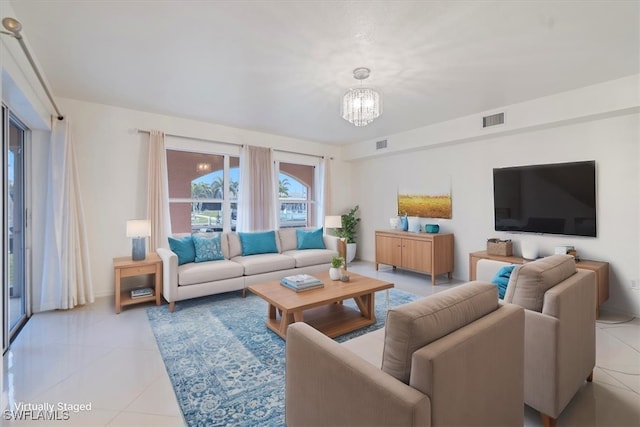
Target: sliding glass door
<point>14,225</point>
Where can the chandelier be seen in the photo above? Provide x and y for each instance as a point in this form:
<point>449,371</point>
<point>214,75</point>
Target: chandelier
<point>361,105</point>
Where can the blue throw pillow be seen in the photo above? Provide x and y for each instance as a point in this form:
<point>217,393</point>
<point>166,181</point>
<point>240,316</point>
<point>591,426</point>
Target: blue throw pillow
<point>310,239</point>
<point>208,248</point>
<point>183,248</point>
<point>501,279</point>
<point>258,243</point>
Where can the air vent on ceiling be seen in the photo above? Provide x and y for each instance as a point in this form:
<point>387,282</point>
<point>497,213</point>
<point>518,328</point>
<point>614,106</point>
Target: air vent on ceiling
<point>381,144</point>
<point>495,119</point>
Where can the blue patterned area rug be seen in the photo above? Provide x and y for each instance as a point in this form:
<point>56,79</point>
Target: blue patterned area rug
<point>226,367</point>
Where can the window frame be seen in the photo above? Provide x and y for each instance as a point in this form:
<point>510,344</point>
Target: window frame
<point>312,193</point>
<point>227,151</point>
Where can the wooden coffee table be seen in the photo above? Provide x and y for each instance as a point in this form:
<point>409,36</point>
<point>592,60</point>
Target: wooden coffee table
<point>322,308</point>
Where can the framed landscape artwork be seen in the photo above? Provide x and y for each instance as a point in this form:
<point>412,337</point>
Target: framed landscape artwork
<point>432,203</point>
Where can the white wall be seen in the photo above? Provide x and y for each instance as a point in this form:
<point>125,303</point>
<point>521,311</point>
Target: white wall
<point>22,93</point>
<point>112,162</point>
<point>611,139</point>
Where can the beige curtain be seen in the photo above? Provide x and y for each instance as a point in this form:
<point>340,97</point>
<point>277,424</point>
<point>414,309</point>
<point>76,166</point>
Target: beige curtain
<point>66,278</point>
<point>158,192</point>
<point>257,198</point>
<point>322,192</point>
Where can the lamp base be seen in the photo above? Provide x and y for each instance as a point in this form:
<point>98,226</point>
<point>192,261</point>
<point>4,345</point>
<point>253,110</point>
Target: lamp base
<point>138,249</point>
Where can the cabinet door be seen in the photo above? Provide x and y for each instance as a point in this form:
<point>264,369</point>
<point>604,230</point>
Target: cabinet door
<point>416,255</point>
<point>388,250</point>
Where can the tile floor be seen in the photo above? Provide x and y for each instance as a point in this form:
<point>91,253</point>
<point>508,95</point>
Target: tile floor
<point>91,355</point>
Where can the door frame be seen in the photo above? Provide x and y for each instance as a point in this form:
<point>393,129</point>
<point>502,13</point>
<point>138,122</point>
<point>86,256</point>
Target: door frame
<point>9,333</point>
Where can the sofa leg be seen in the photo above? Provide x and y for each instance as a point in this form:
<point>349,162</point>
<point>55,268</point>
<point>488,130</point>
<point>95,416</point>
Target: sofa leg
<point>244,292</point>
<point>590,377</point>
<point>547,421</point>
<point>172,306</point>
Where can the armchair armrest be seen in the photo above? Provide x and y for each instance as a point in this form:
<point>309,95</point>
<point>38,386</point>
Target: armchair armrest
<point>326,384</point>
<point>169,274</point>
<point>478,367</point>
<point>331,242</point>
<point>560,343</point>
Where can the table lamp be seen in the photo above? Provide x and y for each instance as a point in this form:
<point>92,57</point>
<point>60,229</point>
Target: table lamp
<point>138,230</point>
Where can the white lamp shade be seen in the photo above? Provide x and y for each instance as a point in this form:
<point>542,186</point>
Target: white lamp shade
<point>333,221</point>
<point>138,228</point>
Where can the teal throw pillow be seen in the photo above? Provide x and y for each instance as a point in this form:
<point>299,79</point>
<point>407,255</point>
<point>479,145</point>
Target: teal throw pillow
<point>501,279</point>
<point>208,248</point>
<point>263,242</point>
<point>310,239</point>
<point>183,248</point>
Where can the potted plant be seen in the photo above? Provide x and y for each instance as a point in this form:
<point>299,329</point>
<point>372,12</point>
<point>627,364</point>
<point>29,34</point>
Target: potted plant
<point>349,231</point>
<point>337,262</point>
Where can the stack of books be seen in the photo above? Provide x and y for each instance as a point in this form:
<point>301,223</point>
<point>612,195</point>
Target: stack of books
<point>141,292</point>
<point>301,282</point>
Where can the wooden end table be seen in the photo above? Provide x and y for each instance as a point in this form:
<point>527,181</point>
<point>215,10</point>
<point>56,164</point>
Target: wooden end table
<point>126,267</point>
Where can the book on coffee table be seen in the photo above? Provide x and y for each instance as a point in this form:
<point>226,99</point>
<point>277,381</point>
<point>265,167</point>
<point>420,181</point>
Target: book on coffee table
<point>300,288</point>
<point>302,279</point>
<point>301,282</point>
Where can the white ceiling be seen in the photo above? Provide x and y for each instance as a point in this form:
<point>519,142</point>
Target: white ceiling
<point>282,66</point>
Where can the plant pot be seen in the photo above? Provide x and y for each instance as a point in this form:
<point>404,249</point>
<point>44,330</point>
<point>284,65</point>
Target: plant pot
<point>334,273</point>
<point>351,252</point>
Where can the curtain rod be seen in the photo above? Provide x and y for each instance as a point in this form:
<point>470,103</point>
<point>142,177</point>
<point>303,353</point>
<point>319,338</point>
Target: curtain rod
<point>231,143</point>
<point>14,27</point>
<point>193,138</point>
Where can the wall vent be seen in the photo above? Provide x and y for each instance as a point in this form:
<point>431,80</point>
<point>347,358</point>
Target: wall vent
<point>381,144</point>
<point>495,119</point>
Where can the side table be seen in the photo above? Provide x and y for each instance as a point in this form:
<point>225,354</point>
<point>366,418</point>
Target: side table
<point>126,267</point>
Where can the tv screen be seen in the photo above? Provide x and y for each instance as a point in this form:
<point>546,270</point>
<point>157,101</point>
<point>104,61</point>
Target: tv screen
<point>556,198</point>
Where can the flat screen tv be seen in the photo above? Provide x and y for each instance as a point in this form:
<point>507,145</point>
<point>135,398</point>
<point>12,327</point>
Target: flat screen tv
<point>557,198</point>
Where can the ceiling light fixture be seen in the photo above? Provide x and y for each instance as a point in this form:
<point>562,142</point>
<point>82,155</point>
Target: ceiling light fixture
<point>361,105</point>
<point>12,25</point>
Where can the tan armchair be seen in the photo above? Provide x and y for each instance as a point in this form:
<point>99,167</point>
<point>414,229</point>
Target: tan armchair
<point>454,358</point>
<point>560,346</point>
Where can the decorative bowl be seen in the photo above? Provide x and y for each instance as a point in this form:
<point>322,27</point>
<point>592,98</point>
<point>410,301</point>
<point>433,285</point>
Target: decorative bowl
<point>432,228</point>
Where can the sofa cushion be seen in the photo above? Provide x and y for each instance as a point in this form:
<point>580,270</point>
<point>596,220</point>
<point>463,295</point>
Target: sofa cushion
<point>264,263</point>
<point>531,280</point>
<point>307,257</point>
<point>183,248</point>
<point>203,272</point>
<point>288,239</point>
<point>501,279</point>
<point>310,239</point>
<point>414,325</point>
<point>262,242</point>
<point>208,248</point>
<point>235,246</point>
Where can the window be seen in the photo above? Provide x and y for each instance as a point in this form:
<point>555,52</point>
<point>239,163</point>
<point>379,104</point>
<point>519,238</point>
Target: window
<point>203,191</point>
<point>296,195</point>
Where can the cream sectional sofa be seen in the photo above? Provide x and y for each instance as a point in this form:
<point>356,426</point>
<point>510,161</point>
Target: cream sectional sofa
<point>236,272</point>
